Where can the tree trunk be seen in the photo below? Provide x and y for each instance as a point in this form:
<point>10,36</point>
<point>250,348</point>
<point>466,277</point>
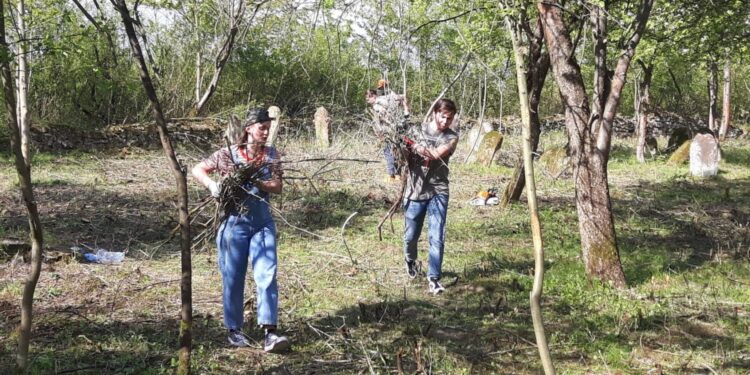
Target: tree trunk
<point>198,77</point>
<point>644,106</point>
<point>222,57</point>
<point>179,172</point>
<point>596,225</point>
<point>676,85</point>
<point>23,169</point>
<point>536,73</point>
<point>601,77</point>
<point>617,83</point>
<point>535,295</point>
<point>713,87</point>
<point>726,103</point>
<point>22,86</point>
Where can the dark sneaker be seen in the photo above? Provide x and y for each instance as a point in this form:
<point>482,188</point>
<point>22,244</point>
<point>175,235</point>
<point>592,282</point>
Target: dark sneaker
<point>435,286</point>
<point>274,343</point>
<point>412,268</point>
<point>238,339</point>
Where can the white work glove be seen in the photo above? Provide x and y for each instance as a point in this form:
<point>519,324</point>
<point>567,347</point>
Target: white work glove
<point>215,188</point>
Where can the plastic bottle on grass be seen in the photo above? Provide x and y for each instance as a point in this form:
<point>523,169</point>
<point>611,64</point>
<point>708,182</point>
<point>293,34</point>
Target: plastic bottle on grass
<point>104,257</point>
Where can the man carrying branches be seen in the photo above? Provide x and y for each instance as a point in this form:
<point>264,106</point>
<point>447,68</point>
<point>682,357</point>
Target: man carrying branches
<point>250,171</point>
<point>390,115</point>
<point>427,190</point>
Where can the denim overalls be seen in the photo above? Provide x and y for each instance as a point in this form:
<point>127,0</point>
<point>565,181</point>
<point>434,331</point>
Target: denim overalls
<point>249,236</point>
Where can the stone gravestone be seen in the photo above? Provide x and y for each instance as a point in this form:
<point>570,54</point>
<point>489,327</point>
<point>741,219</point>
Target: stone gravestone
<point>554,161</point>
<point>474,138</point>
<point>274,112</point>
<point>489,147</point>
<point>704,155</point>
<point>322,123</point>
<point>677,138</point>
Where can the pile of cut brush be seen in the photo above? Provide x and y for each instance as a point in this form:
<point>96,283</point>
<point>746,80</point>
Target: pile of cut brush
<point>395,132</point>
<point>232,195</point>
<point>398,135</point>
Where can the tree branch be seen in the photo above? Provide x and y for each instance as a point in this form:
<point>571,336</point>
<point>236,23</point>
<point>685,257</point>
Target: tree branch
<point>414,31</point>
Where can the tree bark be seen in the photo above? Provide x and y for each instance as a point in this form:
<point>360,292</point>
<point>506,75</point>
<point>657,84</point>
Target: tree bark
<point>713,87</point>
<point>601,77</point>
<point>22,86</point>
<point>596,224</point>
<point>537,67</point>
<point>179,172</point>
<point>644,106</point>
<point>726,103</point>
<point>535,295</point>
<point>198,77</point>
<point>604,137</point>
<point>23,169</point>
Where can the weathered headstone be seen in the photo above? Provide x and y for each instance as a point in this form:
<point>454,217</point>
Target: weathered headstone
<point>474,138</point>
<point>678,137</point>
<point>680,155</point>
<point>274,112</point>
<point>704,155</point>
<point>554,161</point>
<point>489,147</point>
<point>322,123</point>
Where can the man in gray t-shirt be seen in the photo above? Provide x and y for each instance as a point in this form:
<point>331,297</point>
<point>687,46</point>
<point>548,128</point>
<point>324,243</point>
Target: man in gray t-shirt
<point>429,177</point>
<point>427,190</point>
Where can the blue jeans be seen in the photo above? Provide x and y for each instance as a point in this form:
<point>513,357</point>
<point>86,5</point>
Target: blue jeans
<point>390,163</point>
<point>248,236</point>
<point>436,209</point>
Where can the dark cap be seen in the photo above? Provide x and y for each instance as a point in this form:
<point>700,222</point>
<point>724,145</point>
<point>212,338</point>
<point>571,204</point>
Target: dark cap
<point>257,115</point>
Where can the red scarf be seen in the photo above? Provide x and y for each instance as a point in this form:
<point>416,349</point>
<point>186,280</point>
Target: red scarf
<point>249,160</point>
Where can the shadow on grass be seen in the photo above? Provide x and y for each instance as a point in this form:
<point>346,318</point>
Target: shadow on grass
<point>128,220</point>
<point>449,332</point>
<point>77,340</point>
<point>74,214</point>
<point>323,208</point>
<point>483,325</point>
<point>683,223</point>
<point>736,155</point>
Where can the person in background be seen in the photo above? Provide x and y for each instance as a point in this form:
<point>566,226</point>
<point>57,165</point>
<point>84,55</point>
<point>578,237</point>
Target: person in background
<point>392,113</point>
<point>248,231</point>
<point>427,191</point>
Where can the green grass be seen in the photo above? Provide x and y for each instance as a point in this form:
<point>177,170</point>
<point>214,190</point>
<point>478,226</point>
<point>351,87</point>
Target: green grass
<point>682,241</point>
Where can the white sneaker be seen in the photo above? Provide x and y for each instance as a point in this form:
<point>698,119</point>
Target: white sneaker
<point>238,339</point>
<point>274,343</point>
<point>435,286</point>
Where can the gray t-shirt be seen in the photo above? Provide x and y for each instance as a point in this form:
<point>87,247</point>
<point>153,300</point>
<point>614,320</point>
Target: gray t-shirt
<point>429,178</point>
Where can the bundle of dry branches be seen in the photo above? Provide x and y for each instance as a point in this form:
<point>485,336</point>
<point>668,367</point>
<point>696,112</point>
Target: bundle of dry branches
<point>232,196</point>
<point>393,129</point>
<point>395,132</point>
<point>233,192</point>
